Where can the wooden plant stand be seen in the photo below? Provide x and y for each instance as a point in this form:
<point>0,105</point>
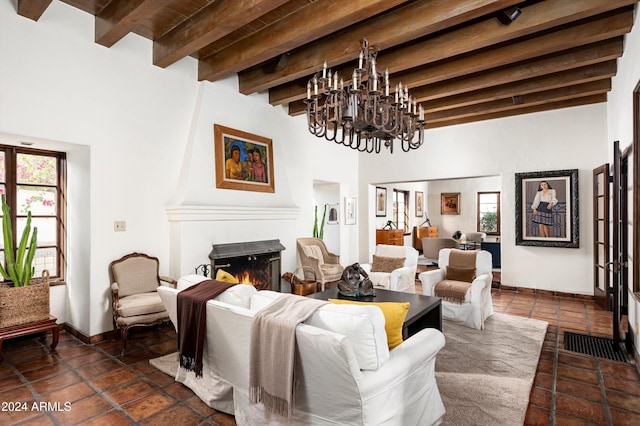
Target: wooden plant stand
<point>31,328</point>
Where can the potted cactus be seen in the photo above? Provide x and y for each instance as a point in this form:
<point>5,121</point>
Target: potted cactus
<point>22,298</point>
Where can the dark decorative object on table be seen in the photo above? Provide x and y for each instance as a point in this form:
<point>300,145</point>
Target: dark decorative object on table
<point>390,225</point>
<point>456,235</point>
<point>355,282</point>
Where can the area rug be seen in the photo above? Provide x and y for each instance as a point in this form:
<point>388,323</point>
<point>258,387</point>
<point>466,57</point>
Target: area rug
<point>168,364</point>
<point>485,376</point>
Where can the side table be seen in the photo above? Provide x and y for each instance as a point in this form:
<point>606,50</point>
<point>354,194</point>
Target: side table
<point>31,328</point>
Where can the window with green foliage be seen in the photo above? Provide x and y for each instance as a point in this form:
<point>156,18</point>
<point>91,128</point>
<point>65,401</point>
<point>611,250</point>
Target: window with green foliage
<point>33,181</point>
<point>401,209</point>
<point>489,212</point>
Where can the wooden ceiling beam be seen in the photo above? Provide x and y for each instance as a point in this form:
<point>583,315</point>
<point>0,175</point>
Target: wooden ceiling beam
<point>531,99</point>
<point>568,59</point>
<point>549,43</point>
<point>591,54</point>
<point>32,9</point>
<point>604,70</point>
<point>535,18</point>
<point>417,19</point>
<point>580,101</point>
<point>120,17</point>
<point>213,22</point>
<point>309,23</point>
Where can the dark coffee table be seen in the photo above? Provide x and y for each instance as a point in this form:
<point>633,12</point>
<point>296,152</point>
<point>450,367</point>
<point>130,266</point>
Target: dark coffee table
<point>424,311</point>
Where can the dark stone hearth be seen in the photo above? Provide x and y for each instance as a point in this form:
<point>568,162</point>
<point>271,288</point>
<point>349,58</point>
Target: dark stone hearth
<point>253,262</point>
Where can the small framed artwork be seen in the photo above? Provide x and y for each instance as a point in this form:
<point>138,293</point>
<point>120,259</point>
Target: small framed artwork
<point>450,203</point>
<point>419,204</point>
<point>243,161</point>
<point>332,219</point>
<point>381,202</point>
<point>350,211</point>
<point>547,209</point>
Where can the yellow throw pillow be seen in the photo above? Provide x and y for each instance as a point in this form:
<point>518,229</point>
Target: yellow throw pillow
<point>386,264</point>
<point>394,315</point>
<point>223,275</point>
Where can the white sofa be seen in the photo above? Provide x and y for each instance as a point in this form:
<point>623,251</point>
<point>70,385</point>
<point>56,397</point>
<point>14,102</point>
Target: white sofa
<point>346,373</point>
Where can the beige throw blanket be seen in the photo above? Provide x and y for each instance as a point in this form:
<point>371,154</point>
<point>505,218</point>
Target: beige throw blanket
<point>453,290</point>
<point>273,335</point>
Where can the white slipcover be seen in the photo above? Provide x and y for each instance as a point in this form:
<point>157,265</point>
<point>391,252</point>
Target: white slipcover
<point>401,279</point>
<point>332,389</point>
<point>478,305</point>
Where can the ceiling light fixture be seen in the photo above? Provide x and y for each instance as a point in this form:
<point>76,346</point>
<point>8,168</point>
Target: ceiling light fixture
<point>509,15</point>
<point>363,115</point>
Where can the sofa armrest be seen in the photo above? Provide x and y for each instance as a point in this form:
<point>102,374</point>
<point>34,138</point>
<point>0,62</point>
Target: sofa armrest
<point>429,279</point>
<point>403,279</point>
<point>480,283</point>
<point>404,360</point>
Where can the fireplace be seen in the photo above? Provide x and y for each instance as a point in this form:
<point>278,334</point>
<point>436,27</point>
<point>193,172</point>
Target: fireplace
<point>254,262</point>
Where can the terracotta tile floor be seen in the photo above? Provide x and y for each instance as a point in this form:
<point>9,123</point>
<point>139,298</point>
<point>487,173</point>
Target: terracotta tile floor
<point>100,387</point>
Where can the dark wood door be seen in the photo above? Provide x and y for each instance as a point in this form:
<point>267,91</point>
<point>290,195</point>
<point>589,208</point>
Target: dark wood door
<point>601,281</point>
<point>619,242</point>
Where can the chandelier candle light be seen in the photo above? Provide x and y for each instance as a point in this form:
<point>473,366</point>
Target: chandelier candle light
<point>363,115</point>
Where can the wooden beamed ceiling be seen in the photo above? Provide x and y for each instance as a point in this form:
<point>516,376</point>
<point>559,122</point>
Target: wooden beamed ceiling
<point>457,58</point>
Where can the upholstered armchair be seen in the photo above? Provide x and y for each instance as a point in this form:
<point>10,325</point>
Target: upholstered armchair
<point>134,289</point>
<point>431,247</point>
<point>314,254</point>
<point>393,268</point>
<point>463,281</point>
<point>473,239</point>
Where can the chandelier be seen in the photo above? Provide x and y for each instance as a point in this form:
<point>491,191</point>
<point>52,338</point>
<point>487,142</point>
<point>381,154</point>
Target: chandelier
<point>362,115</point>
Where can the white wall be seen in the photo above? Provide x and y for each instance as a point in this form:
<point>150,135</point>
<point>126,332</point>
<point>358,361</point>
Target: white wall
<point>620,127</point>
<point>467,220</point>
<point>144,142</point>
<point>573,138</point>
<point>140,142</point>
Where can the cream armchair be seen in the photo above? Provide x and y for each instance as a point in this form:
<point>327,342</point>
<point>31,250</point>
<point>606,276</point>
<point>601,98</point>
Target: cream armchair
<point>134,289</point>
<point>313,253</point>
<point>431,247</point>
<point>477,305</point>
<point>383,274</point>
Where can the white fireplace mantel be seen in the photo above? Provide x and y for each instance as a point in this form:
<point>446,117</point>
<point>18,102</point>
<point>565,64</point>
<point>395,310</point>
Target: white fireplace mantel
<point>227,213</point>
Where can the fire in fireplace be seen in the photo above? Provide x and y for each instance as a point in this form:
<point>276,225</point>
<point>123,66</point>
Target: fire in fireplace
<point>254,262</point>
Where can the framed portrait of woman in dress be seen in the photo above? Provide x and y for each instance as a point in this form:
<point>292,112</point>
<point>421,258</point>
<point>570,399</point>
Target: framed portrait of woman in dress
<point>243,161</point>
<point>547,209</point>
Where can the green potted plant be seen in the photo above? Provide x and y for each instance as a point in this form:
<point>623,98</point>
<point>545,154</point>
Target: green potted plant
<point>22,299</point>
<point>319,233</point>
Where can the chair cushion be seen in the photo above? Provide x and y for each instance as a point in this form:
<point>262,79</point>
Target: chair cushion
<point>386,264</point>
<point>460,274</point>
<point>364,327</point>
<point>140,304</point>
<point>331,271</point>
<point>223,275</point>
<point>380,279</point>
<point>394,315</point>
<point>136,275</point>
